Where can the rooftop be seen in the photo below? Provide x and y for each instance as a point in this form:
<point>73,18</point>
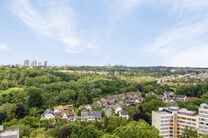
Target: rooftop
<point>205,106</point>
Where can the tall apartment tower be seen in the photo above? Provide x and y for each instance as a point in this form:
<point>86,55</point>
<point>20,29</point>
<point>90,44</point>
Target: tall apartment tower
<point>39,64</point>
<point>45,64</point>
<point>26,63</point>
<point>34,63</point>
<point>171,121</point>
<point>203,119</point>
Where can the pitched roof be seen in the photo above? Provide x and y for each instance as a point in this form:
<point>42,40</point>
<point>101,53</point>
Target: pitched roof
<point>48,111</point>
<point>84,106</point>
<point>96,114</point>
<point>124,113</point>
<point>181,96</point>
<point>60,107</point>
<point>63,107</point>
<point>117,106</point>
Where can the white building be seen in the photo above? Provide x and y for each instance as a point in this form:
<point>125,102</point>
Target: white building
<point>11,133</point>
<point>203,119</point>
<point>48,114</point>
<point>171,121</point>
<point>123,114</point>
<point>117,108</point>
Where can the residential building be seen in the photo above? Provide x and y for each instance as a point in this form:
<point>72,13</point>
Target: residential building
<point>45,64</point>
<point>139,100</point>
<point>48,114</point>
<point>171,121</point>
<point>163,121</point>
<point>85,107</point>
<point>181,97</point>
<point>118,108</point>
<point>150,93</point>
<point>203,119</point>
<point>71,116</point>
<point>126,102</point>
<point>90,116</point>
<point>34,63</point>
<point>167,94</point>
<point>11,133</point>
<point>26,63</point>
<point>123,114</point>
<point>62,108</point>
<point>39,64</point>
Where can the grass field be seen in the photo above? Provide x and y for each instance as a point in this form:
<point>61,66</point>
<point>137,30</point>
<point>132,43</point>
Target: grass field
<point>10,90</point>
<point>139,78</point>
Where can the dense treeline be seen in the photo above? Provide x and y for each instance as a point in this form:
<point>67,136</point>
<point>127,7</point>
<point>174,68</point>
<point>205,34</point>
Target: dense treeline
<point>192,90</point>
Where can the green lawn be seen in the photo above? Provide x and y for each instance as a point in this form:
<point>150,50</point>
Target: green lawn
<point>138,78</point>
<point>10,90</point>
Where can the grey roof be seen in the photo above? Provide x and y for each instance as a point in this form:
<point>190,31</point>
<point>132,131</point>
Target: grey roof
<point>124,113</point>
<point>84,113</point>
<point>181,96</point>
<point>149,93</point>
<point>48,111</point>
<point>96,114</point>
<point>203,105</point>
<point>167,93</point>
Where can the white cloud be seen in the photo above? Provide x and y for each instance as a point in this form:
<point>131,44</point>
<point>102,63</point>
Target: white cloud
<point>52,19</point>
<point>3,47</point>
<point>185,43</point>
<point>178,38</point>
<point>191,5</point>
<point>195,57</point>
<point>121,8</point>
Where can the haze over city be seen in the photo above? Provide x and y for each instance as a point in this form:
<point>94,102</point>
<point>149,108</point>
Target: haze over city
<point>119,32</point>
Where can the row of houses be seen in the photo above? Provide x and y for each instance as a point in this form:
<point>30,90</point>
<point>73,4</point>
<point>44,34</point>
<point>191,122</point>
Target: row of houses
<point>168,97</point>
<point>168,79</point>
<point>135,96</point>
<point>67,112</point>
<point>122,113</point>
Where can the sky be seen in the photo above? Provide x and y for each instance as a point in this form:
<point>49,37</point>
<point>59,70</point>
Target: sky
<point>101,32</point>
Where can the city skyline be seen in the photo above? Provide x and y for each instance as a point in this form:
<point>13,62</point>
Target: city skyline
<point>126,32</point>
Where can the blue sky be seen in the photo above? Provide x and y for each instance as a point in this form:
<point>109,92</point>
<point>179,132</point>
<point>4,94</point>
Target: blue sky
<point>98,32</point>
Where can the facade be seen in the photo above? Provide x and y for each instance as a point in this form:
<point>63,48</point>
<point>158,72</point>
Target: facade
<point>48,114</point>
<point>90,116</point>
<point>203,119</point>
<point>150,93</point>
<point>181,97</point>
<point>85,107</point>
<point>26,63</point>
<point>34,63</point>
<point>39,64</point>
<point>46,64</point>
<point>117,108</point>
<point>124,114</point>
<point>171,121</point>
<point>11,133</point>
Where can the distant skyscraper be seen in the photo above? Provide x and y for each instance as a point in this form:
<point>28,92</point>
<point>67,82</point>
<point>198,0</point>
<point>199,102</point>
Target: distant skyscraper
<point>31,64</point>
<point>34,63</point>
<point>26,63</point>
<point>39,64</point>
<point>46,64</point>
